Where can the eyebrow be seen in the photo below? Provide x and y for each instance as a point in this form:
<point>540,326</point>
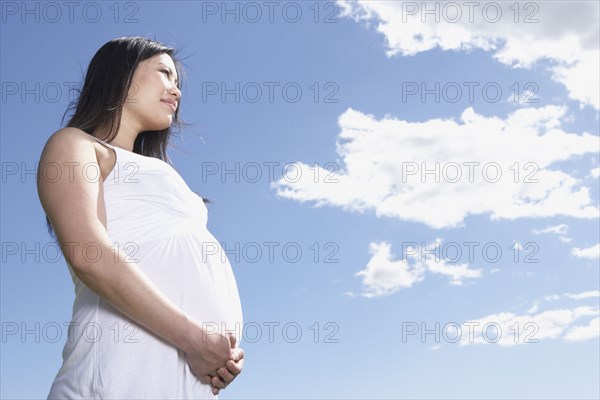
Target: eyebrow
<point>170,70</point>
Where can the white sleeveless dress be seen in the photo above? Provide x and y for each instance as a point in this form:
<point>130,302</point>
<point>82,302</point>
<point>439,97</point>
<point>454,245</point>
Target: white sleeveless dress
<point>153,216</point>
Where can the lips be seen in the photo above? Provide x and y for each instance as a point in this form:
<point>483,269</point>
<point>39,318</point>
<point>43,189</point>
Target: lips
<point>171,103</point>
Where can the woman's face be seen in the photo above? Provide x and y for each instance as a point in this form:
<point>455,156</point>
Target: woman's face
<point>153,87</point>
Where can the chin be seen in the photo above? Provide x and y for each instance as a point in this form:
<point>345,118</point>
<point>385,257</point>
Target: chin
<point>159,126</point>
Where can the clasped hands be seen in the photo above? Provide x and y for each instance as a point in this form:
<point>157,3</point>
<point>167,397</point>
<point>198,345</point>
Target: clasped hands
<point>218,362</point>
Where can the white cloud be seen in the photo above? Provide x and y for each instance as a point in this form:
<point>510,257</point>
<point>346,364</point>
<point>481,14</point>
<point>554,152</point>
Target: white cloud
<point>523,273</point>
<point>535,325</point>
<point>457,273</point>
<point>517,245</point>
<point>509,329</point>
<point>574,296</point>
<point>584,332</point>
<point>589,252</point>
<point>385,162</point>
<point>524,99</point>
<point>556,229</point>
<point>565,34</point>
<point>595,173</point>
<point>386,274</point>
<point>552,297</point>
<point>584,295</point>
<point>533,308</point>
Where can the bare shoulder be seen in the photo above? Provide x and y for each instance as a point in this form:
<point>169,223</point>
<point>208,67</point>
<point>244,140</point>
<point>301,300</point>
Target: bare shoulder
<point>65,150</point>
<point>74,145</point>
<point>67,140</point>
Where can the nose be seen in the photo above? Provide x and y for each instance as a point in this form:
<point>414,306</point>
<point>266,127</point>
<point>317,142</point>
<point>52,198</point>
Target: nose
<point>175,90</point>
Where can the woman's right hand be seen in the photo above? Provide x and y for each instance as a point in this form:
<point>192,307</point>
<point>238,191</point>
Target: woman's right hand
<point>208,352</point>
<point>230,371</point>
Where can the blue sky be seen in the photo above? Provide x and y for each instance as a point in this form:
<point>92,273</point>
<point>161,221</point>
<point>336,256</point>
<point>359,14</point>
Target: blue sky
<point>359,298</point>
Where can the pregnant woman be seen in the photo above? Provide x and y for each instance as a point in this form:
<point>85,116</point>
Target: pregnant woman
<point>154,316</point>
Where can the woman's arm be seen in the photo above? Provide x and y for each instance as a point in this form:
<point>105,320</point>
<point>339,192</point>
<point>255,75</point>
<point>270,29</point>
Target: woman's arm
<point>75,208</point>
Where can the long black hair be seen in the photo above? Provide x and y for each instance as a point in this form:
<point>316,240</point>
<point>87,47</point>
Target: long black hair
<point>107,83</point>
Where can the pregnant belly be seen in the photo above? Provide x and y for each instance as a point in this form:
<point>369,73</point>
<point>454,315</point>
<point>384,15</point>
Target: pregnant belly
<point>192,270</point>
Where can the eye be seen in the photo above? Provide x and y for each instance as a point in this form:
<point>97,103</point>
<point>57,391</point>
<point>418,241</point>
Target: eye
<point>168,73</point>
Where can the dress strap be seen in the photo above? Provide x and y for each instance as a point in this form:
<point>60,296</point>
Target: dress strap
<point>110,146</point>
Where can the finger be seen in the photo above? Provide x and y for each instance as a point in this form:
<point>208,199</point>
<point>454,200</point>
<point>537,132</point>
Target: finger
<point>215,390</point>
<point>206,379</point>
<point>226,375</point>
<point>232,341</point>
<point>218,382</point>
<point>238,354</point>
<point>235,367</point>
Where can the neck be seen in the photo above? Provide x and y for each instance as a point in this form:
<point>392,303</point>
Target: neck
<point>125,137</point>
